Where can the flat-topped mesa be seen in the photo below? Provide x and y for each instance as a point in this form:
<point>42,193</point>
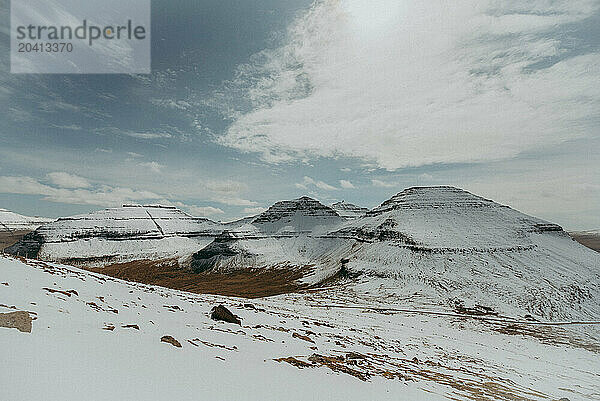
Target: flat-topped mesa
<point>155,206</point>
<point>349,210</point>
<point>119,234</point>
<point>299,215</point>
<point>129,221</point>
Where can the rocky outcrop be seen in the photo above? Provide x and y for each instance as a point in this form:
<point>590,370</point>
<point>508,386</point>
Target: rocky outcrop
<point>223,314</point>
<point>221,248</point>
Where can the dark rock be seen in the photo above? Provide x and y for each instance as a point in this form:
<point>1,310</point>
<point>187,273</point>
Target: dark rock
<point>222,313</point>
<point>19,320</point>
<point>303,337</point>
<point>208,257</point>
<point>170,340</point>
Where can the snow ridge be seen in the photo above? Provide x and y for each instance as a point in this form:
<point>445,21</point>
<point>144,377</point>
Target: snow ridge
<point>349,210</point>
<point>10,221</point>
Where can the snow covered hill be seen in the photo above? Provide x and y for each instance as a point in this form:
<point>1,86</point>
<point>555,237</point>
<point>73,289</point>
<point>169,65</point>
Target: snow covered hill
<point>94,337</point>
<point>131,232</point>
<point>10,221</point>
<point>455,249</point>
<point>299,216</point>
<point>458,251</point>
<point>349,210</point>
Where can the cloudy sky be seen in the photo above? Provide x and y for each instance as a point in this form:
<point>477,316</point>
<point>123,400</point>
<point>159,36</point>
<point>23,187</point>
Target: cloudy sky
<point>250,102</point>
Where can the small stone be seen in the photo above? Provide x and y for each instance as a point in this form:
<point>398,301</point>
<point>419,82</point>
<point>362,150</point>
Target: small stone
<point>19,320</point>
<point>171,340</point>
<point>222,313</point>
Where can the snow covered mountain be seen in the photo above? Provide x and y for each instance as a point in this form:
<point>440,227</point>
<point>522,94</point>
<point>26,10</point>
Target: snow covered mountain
<point>131,232</point>
<point>349,210</point>
<point>10,221</point>
<point>299,216</point>
<point>454,248</point>
<point>290,234</point>
<point>458,251</point>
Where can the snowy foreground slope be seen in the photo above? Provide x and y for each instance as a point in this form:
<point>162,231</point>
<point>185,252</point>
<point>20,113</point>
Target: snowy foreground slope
<point>84,346</point>
<point>10,221</point>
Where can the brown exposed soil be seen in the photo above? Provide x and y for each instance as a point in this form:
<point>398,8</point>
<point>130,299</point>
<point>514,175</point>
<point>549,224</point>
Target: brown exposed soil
<point>247,283</point>
<point>472,385</point>
<point>294,362</point>
<point>19,320</point>
<point>8,238</point>
<point>303,337</point>
<point>592,241</point>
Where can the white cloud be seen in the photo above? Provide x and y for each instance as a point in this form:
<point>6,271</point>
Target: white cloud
<point>231,200</point>
<point>204,211</point>
<point>346,184</point>
<point>404,83</point>
<point>172,104</point>
<point>73,127</point>
<point>146,135</point>
<point>319,184</point>
<point>197,211</point>
<point>251,211</point>
<point>383,184</point>
<point>135,134</point>
<point>154,166</point>
<point>66,180</point>
<point>102,196</point>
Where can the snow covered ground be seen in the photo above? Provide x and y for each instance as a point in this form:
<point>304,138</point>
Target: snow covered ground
<point>81,349</point>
